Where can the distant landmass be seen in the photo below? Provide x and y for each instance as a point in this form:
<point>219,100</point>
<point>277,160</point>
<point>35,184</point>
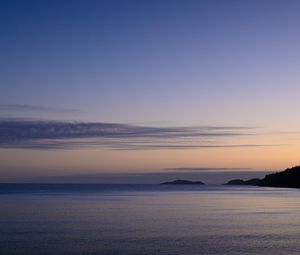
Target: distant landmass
<point>255,182</point>
<point>183,182</point>
<point>289,178</point>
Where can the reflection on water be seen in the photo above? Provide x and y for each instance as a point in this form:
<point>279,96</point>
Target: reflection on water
<point>148,219</point>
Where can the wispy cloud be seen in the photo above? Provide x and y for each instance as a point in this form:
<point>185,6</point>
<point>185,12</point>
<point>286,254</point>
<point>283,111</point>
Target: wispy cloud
<point>32,108</point>
<point>16,133</point>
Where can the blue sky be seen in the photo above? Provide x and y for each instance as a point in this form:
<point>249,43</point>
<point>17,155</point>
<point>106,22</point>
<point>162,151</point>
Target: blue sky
<point>155,63</point>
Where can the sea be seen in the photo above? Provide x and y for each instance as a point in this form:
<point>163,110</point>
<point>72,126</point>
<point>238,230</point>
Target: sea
<point>90,219</point>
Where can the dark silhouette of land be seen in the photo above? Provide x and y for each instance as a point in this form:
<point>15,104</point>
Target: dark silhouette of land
<point>289,178</point>
<point>183,182</point>
<point>255,182</point>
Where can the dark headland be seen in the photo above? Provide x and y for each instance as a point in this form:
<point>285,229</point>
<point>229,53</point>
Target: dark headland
<point>184,182</point>
<point>289,178</point>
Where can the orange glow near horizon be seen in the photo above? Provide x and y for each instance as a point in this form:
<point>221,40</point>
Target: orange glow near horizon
<point>82,161</point>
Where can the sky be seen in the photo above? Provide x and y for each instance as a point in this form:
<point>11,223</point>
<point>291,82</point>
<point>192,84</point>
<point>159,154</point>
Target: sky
<point>144,91</point>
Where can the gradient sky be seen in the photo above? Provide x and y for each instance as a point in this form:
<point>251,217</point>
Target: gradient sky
<point>187,85</point>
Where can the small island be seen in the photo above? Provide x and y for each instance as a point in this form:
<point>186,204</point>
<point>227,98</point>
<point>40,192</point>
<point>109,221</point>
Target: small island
<point>255,182</point>
<point>183,182</point>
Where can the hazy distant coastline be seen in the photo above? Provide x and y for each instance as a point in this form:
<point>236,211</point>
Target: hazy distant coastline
<point>183,182</point>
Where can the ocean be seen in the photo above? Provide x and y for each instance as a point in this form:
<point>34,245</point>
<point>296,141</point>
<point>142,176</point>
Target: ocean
<point>71,219</point>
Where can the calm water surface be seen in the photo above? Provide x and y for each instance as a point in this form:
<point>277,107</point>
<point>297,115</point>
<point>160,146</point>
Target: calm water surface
<point>148,219</point>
